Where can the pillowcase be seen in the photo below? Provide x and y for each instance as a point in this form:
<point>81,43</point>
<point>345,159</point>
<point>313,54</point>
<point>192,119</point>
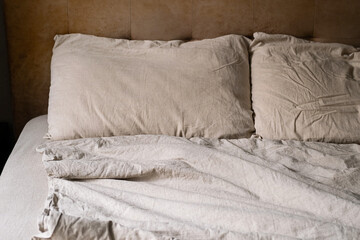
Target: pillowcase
<point>305,90</point>
<point>107,87</point>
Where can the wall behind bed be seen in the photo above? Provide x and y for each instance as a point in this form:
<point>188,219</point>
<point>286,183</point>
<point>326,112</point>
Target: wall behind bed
<point>32,24</point>
<point>6,134</point>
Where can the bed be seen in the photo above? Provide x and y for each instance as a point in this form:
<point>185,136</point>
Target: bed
<point>301,175</point>
<point>239,134</point>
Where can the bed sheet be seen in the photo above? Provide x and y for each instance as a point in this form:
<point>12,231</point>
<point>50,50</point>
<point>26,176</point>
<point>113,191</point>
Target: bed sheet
<point>158,186</point>
<point>163,187</point>
<point>23,184</point>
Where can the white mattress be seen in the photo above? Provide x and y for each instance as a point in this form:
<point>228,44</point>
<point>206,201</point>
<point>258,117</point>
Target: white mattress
<point>23,184</point>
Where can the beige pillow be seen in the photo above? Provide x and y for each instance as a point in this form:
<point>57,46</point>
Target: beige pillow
<point>106,87</point>
<point>305,90</point>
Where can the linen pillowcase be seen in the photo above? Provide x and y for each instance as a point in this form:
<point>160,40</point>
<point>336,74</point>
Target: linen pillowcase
<point>305,90</point>
<point>108,87</point>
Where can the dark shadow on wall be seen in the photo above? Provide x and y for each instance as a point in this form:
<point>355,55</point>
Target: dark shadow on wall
<point>6,131</point>
<point>6,141</point>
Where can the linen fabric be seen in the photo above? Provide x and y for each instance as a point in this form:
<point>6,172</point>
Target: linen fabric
<point>304,90</point>
<point>106,87</point>
<point>23,184</point>
<point>165,187</point>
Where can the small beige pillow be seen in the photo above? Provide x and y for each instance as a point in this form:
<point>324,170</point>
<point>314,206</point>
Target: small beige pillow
<point>107,87</point>
<point>305,90</point>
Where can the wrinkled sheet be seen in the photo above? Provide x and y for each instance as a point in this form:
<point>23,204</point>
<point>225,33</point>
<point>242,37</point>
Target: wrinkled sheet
<point>160,187</point>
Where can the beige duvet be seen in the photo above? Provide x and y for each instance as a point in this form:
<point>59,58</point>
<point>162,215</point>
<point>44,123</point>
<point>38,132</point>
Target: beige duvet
<point>159,187</point>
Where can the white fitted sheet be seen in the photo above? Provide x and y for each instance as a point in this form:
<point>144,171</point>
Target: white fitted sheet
<point>23,184</point>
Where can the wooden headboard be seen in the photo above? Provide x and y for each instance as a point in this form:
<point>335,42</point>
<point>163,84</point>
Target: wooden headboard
<point>32,24</point>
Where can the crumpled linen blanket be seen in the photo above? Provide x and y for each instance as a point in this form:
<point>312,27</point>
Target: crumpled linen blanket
<point>161,187</point>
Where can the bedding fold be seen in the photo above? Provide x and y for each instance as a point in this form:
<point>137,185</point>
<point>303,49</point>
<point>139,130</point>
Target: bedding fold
<point>161,187</point>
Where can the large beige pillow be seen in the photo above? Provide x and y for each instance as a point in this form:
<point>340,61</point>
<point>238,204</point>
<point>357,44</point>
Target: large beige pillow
<point>304,90</point>
<point>106,87</point>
